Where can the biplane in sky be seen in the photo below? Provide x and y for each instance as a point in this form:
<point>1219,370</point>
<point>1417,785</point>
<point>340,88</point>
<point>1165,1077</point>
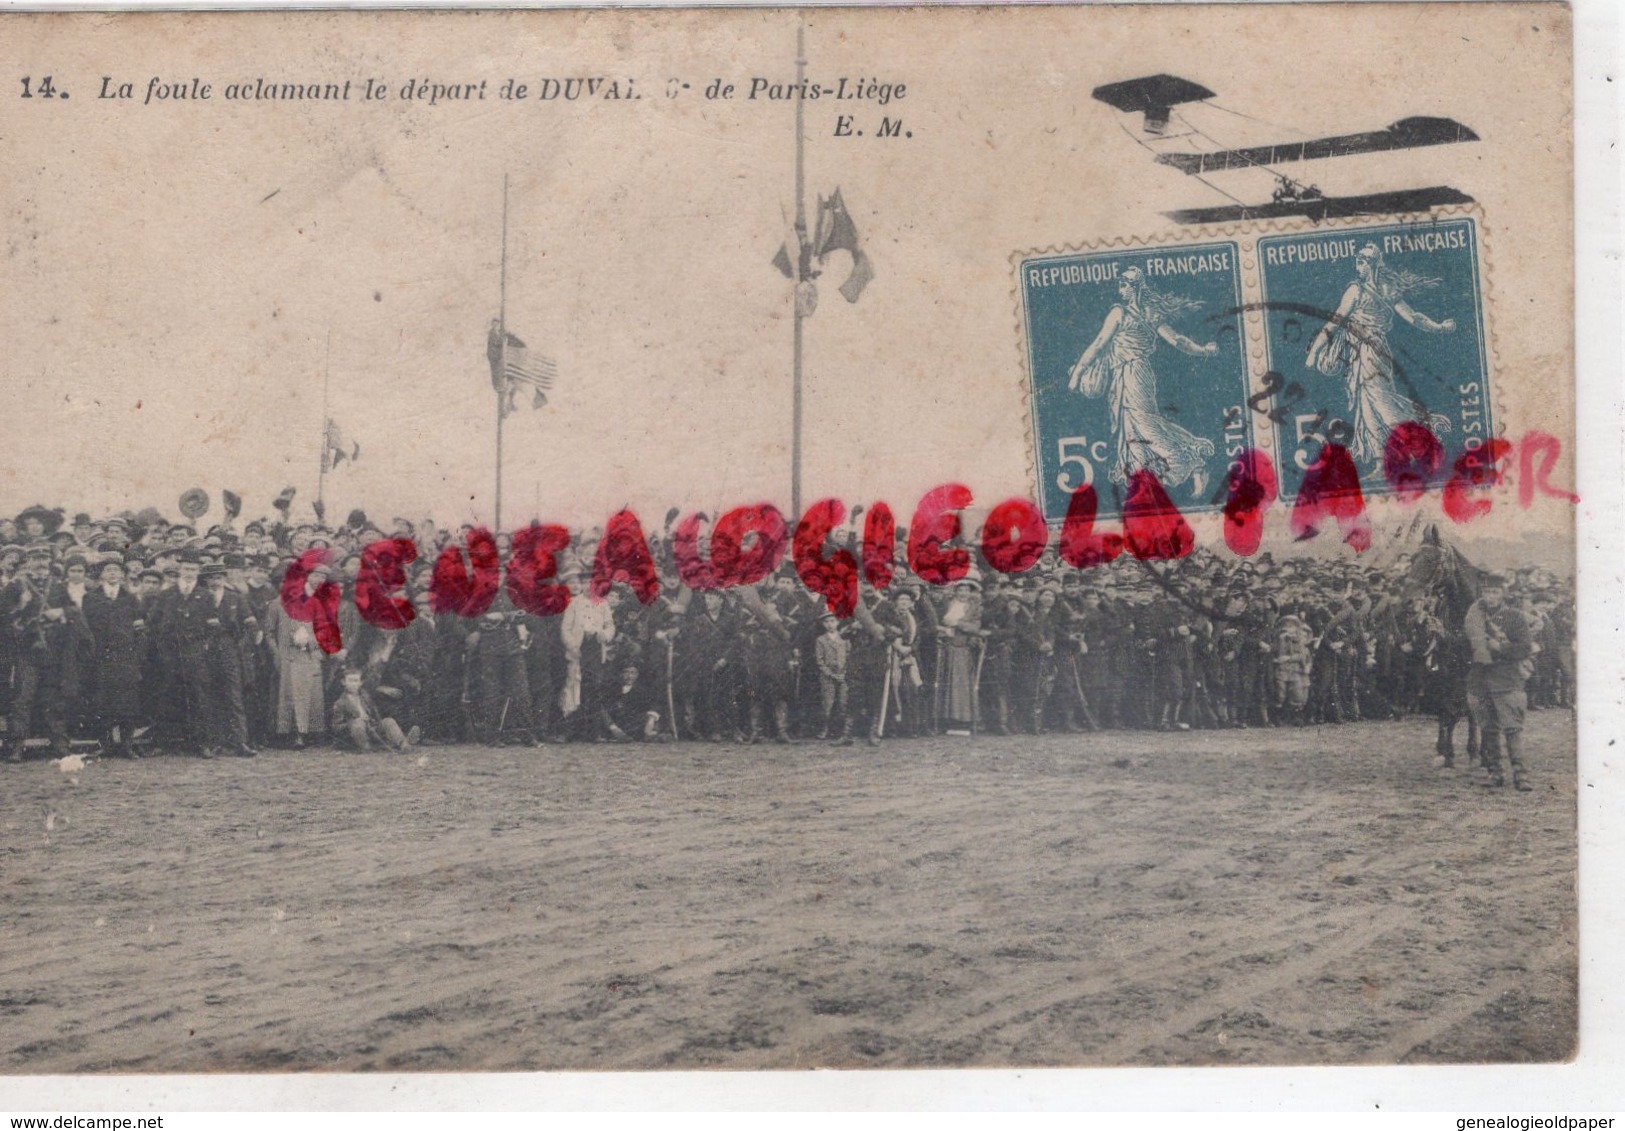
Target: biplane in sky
<point>1158,97</point>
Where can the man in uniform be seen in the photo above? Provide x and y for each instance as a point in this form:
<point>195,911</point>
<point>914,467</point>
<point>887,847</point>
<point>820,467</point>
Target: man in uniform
<point>22,604</point>
<point>709,661</point>
<point>502,678</point>
<point>1499,637</point>
<point>1072,645</point>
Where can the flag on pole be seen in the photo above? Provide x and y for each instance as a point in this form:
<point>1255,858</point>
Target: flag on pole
<point>836,232</point>
<point>338,449</point>
<point>782,261</point>
<point>792,265</point>
<point>515,366</point>
<point>801,270</point>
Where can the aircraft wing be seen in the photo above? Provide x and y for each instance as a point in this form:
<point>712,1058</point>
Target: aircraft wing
<point>1319,208</point>
<point>1408,133</point>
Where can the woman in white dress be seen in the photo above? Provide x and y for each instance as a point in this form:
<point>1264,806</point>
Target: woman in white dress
<point>301,707</point>
<point>1117,365</point>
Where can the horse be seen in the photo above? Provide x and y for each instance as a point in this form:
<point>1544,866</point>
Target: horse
<point>1449,584</point>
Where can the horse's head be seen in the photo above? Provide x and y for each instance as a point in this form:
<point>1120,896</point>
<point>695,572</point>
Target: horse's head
<point>1440,571</point>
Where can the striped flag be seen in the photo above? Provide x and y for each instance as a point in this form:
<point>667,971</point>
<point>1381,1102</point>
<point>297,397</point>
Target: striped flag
<point>515,366</point>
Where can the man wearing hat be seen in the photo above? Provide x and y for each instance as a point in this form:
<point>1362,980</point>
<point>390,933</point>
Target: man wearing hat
<point>67,690</point>
<point>768,649</point>
<point>22,605</point>
<point>1498,635</point>
<point>150,581</point>
<point>905,714</point>
<point>447,716</point>
<point>186,644</point>
<point>117,627</point>
<point>11,560</point>
<point>400,666</point>
<point>501,678</point>
<point>1100,664</point>
<point>1005,619</point>
<point>1253,689</point>
<point>259,661</point>
<point>829,656</point>
<point>226,627</point>
<point>708,666</point>
<point>1077,710</point>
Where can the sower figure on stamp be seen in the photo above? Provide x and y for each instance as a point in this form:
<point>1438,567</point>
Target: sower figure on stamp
<point>1499,637</point>
<point>1353,344</point>
<point>1117,364</point>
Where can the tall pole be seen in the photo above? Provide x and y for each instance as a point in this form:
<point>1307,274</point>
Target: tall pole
<point>321,475</point>
<point>801,260</point>
<point>502,361</point>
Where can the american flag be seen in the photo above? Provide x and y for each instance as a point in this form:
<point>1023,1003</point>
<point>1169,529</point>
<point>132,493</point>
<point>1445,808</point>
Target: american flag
<point>514,366</point>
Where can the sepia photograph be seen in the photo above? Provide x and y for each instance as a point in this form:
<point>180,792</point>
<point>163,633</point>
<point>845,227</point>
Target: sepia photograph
<point>783,539</point>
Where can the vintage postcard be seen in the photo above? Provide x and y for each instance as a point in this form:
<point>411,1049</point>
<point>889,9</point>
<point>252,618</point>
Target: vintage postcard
<point>782,539</point>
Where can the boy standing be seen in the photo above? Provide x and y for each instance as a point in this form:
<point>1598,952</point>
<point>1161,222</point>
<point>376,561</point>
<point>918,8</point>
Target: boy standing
<point>830,654</point>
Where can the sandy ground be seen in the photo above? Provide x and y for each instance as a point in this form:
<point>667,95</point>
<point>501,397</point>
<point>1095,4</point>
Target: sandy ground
<point>1242,897</point>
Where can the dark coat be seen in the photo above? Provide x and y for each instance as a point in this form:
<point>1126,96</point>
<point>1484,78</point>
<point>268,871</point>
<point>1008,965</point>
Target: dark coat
<point>118,648</point>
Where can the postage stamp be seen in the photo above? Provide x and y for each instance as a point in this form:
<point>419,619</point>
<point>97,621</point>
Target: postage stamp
<point>1373,334</point>
<point>1135,362</point>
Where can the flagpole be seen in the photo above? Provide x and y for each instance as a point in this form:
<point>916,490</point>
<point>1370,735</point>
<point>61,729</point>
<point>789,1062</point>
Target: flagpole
<point>321,475</point>
<point>801,243</point>
<point>502,338</point>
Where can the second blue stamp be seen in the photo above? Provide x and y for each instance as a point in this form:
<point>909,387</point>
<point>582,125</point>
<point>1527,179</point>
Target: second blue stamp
<point>1369,329</point>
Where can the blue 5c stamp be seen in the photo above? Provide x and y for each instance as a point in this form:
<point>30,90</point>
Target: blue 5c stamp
<point>1368,329</point>
<point>1136,362</point>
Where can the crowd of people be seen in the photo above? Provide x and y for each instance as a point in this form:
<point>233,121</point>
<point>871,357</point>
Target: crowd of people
<point>150,637</point>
